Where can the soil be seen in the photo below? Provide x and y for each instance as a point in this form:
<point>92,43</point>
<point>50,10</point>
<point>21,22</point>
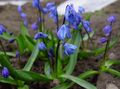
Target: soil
<point>11,19</point>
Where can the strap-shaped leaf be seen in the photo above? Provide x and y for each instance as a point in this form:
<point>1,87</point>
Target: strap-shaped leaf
<point>73,58</point>
<point>79,81</point>
<point>7,80</point>
<point>85,75</point>
<point>8,53</point>
<point>32,58</point>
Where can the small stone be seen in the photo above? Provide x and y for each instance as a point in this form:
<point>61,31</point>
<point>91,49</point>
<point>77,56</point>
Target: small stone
<point>112,56</point>
<point>111,86</point>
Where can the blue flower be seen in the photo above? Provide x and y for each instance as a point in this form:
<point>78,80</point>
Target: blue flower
<point>2,29</point>
<point>51,53</point>
<point>19,9</point>
<point>17,54</point>
<point>41,46</point>
<point>11,40</point>
<point>53,14</point>
<point>72,17</point>
<point>111,19</point>
<point>36,4</point>
<point>81,10</point>
<point>25,23</point>
<point>5,72</point>
<point>69,48</point>
<point>49,5</point>
<point>34,26</point>
<point>107,29</point>
<point>40,35</point>
<point>86,25</point>
<point>23,15</point>
<point>103,40</point>
<point>44,10</point>
<point>64,32</point>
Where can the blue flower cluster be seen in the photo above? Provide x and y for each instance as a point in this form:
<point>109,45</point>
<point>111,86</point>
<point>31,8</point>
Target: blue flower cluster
<point>108,29</point>
<point>5,72</point>
<point>2,29</point>
<point>23,15</point>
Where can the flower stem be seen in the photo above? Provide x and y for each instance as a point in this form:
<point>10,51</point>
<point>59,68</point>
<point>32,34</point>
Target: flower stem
<point>3,48</point>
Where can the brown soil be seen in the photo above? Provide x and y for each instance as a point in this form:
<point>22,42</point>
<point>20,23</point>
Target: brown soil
<point>11,19</point>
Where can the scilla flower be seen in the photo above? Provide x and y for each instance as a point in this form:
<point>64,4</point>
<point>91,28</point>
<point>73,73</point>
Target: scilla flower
<point>103,40</point>
<point>17,54</point>
<point>54,14</point>
<point>34,26</point>
<point>40,35</point>
<point>81,10</point>
<point>36,4</point>
<point>41,46</point>
<point>23,15</point>
<point>107,29</point>
<point>11,40</point>
<point>49,5</point>
<point>5,72</point>
<point>111,19</point>
<point>2,29</point>
<point>72,16</point>
<point>19,9</point>
<point>86,25</point>
<point>64,32</point>
<point>69,48</point>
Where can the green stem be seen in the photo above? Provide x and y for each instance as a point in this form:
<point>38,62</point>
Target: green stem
<point>3,48</point>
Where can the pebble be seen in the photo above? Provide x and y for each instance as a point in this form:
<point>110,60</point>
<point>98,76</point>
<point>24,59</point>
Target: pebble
<point>111,86</point>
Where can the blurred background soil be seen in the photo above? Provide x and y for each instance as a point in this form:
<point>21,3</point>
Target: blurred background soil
<point>11,19</point>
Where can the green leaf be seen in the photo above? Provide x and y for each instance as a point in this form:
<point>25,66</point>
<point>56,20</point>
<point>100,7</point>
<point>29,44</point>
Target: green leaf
<point>73,58</point>
<point>112,71</point>
<point>7,80</point>
<point>12,54</point>
<point>85,75</point>
<point>24,87</point>
<point>32,58</point>
<point>24,30</point>
<point>21,44</point>
<point>31,76</point>
<point>109,63</point>
<point>85,38</point>
<point>6,36</point>
<point>79,81</point>
<point>47,70</point>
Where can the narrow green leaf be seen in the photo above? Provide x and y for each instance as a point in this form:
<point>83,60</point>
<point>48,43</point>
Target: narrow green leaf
<point>112,71</point>
<point>85,38</point>
<point>109,63</point>
<point>21,44</point>
<point>24,30</point>
<point>32,58</point>
<point>85,75</point>
<point>79,81</point>
<point>7,80</point>
<point>73,58</point>
<point>12,54</point>
<point>6,36</point>
<point>24,87</point>
<point>47,70</point>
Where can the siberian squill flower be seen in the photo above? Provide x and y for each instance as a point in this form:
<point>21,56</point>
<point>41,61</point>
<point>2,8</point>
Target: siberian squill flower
<point>69,48</point>
<point>103,40</point>
<point>107,29</point>
<point>49,5</point>
<point>34,26</point>
<point>5,72</point>
<point>111,19</point>
<point>41,46</point>
<point>11,40</point>
<point>2,29</point>
<point>81,10</point>
<point>40,35</point>
<point>72,16</point>
<point>63,32</point>
<point>19,9</point>
<point>86,25</point>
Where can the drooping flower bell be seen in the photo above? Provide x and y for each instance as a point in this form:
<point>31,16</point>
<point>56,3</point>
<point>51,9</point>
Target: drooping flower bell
<point>40,35</point>
<point>111,19</point>
<point>72,16</point>
<point>5,72</point>
<point>11,40</point>
<point>34,26</point>
<point>41,46</point>
<point>69,48</point>
<point>2,29</point>
<point>36,4</point>
<point>107,29</point>
<point>103,40</point>
<point>19,9</point>
<point>81,10</point>
<point>17,54</point>
<point>50,5</point>
<point>86,25</point>
<point>53,13</point>
<point>64,32</point>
